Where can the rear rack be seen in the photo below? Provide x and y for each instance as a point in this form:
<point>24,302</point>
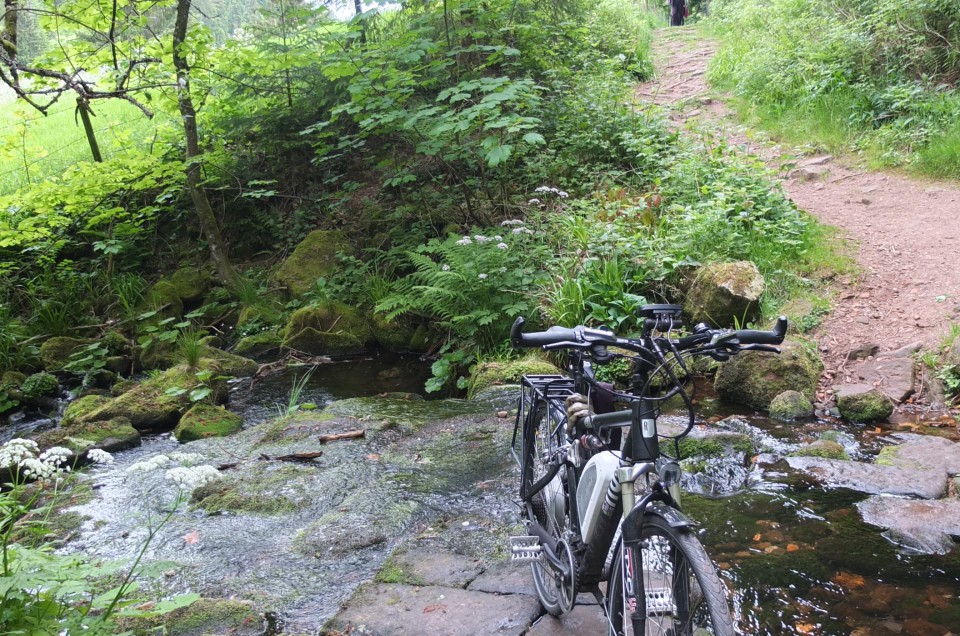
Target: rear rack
<point>536,388</point>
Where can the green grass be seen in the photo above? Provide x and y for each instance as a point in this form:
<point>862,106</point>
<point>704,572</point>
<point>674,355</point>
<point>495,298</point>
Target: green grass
<point>941,157</point>
<point>34,147</point>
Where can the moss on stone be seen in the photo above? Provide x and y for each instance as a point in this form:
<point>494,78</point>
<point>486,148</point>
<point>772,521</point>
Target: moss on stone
<point>122,386</point>
<point>229,364</point>
<point>823,448</point>
<point>871,406</point>
<point>13,379</point>
<point>754,378</point>
<point>115,342</point>
<point>488,374</point>
<point>258,344</point>
<point>390,334</point>
<point>80,407</point>
<point>190,283</point>
<point>56,352</point>
<point>110,435</point>
<point>791,405</point>
<point>722,293</point>
<point>164,297</point>
<point>421,341</point>
<point>328,329</point>
<point>314,257</point>
<point>707,446</point>
<point>207,420</point>
<point>204,617</point>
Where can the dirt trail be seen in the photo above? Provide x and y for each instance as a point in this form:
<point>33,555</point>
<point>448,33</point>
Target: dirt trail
<point>904,233</point>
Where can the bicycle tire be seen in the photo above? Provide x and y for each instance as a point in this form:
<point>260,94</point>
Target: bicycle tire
<point>540,441</point>
<point>691,604</point>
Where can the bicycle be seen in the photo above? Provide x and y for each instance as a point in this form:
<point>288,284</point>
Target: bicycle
<point>602,509</point>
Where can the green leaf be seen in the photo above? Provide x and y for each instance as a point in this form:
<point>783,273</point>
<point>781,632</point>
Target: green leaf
<point>498,154</point>
<point>534,139</point>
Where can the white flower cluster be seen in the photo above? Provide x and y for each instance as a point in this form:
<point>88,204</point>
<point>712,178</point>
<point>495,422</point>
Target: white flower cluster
<point>20,455</point>
<point>557,191</point>
<point>186,459</point>
<point>511,222</point>
<point>464,241</point>
<point>154,463</point>
<point>482,276</point>
<point>502,246</point>
<point>190,477</point>
<point>99,456</point>
<point>14,452</point>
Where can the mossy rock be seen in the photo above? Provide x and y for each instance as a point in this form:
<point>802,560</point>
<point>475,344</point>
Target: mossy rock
<point>791,405</point>
<point>207,420</point>
<point>190,283</point>
<point>754,378</point>
<point>722,293</point>
<point>165,298</point>
<point>712,444</point>
<point>329,329</point>
<point>56,352</point>
<point>259,344</point>
<point>489,374</point>
<point>265,314</point>
<point>422,340</point>
<point>39,385</point>
<point>13,379</point>
<point>122,386</point>
<point>279,488</point>
<point>824,448</point>
<point>159,354</point>
<point>390,334</point>
<point>111,435</point>
<point>203,617</point>
<point>115,342</point>
<point>81,407</point>
<point>154,405</point>
<point>229,364</point>
<point>314,257</point>
<point>869,406</point>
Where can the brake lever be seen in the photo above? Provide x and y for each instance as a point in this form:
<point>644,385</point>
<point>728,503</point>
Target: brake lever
<point>566,345</point>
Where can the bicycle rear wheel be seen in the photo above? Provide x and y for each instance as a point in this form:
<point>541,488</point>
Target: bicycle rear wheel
<point>542,433</point>
<point>678,589</point>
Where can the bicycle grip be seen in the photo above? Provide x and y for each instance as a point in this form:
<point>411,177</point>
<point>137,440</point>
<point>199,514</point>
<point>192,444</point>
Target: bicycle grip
<point>553,335</point>
<point>773,337</point>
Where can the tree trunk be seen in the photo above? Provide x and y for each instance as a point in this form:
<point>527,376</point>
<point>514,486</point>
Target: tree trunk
<point>208,221</point>
<point>8,34</point>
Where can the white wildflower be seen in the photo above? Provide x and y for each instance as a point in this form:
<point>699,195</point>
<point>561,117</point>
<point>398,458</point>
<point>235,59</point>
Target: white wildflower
<point>522,230</point>
<point>497,238</point>
<point>482,276</point>
<point>562,194</point>
<point>445,267</point>
<point>534,202</point>
<point>16,450</point>
<point>148,465</point>
<point>33,467</point>
<point>99,456</point>
<point>186,459</point>
<point>189,478</point>
<point>502,246</point>
<point>511,222</point>
<point>56,457</point>
<point>545,189</point>
<point>479,238</point>
<point>464,241</point>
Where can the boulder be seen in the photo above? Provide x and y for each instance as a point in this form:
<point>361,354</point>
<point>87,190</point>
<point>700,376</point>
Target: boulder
<point>314,257</point>
<point>203,617</point>
<point>39,385</point>
<point>874,479</point>
<point>328,329</point>
<point>391,334</point>
<point>164,297</point>
<point>722,293</point>
<point>207,420</point>
<point>111,435</point>
<point>56,352</point>
<point>259,344</point>
<point>894,372</point>
<point>158,404</point>
<point>754,378</point>
<point>229,364</point>
<point>863,403</point>
<point>79,408</point>
<point>825,448</point>
<point>927,527</point>
<point>791,405</point>
<point>190,284</point>
<point>487,374</point>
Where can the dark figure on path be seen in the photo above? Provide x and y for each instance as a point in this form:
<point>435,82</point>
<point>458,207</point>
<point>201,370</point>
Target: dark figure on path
<point>678,11</point>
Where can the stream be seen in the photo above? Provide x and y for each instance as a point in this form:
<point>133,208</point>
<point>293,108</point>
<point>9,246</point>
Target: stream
<point>797,554</point>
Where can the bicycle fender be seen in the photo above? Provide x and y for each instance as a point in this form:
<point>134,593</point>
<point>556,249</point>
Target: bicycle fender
<point>673,517</point>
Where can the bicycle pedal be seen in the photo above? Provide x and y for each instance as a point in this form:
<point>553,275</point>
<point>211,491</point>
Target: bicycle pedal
<point>524,549</point>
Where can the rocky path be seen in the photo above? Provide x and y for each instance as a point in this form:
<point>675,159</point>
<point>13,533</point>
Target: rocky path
<point>902,233</point>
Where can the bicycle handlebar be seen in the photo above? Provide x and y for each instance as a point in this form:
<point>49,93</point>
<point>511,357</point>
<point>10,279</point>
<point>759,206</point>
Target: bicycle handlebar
<point>581,337</point>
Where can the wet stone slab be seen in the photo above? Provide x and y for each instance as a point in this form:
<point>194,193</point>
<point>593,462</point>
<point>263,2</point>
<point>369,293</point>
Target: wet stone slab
<point>429,567</point>
<point>874,479</point>
<point>582,619</point>
<point>505,578</point>
<point>922,526</point>
<point>402,610</point>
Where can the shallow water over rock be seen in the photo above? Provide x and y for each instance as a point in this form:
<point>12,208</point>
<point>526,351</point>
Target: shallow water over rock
<point>298,537</point>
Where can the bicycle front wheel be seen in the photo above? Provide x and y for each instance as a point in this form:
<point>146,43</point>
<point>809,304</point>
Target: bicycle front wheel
<point>677,588</point>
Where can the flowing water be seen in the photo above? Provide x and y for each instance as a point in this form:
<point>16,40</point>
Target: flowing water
<point>796,553</point>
